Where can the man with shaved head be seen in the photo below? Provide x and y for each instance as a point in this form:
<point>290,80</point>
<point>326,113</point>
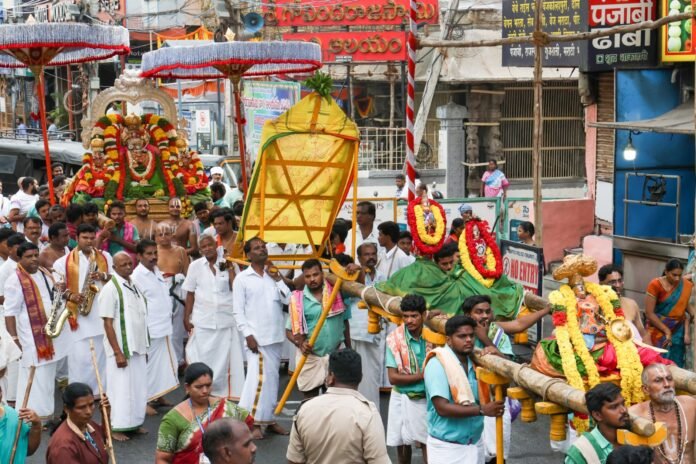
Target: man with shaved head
<point>229,441</point>
<point>677,412</point>
<point>123,308</point>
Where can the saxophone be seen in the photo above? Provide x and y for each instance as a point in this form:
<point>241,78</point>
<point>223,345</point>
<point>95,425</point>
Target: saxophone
<point>89,288</point>
<point>58,315</point>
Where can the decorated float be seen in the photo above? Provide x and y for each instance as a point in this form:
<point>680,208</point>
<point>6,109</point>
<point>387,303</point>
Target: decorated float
<point>136,156</point>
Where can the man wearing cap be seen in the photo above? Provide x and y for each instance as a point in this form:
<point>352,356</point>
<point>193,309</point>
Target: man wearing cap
<point>466,211</point>
<point>231,194</point>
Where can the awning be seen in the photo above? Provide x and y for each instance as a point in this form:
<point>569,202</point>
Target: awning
<point>680,120</point>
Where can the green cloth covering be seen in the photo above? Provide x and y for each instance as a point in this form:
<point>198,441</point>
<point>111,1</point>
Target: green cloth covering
<point>447,292</point>
<point>553,355</point>
<point>601,445</point>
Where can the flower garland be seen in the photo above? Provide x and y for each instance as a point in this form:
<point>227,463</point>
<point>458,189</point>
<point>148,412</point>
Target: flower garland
<point>426,243</point>
<point>486,273</point>
<point>627,357</point>
<point>149,169</point>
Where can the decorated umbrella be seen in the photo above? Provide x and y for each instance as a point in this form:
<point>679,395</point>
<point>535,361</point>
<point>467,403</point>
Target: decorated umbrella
<point>233,60</point>
<point>36,46</point>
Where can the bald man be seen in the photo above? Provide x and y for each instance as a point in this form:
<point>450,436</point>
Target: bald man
<point>123,308</point>
<point>229,441</point>
<point>677,412</point>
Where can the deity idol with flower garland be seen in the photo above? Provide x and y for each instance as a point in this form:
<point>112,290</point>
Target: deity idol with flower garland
<point>592,339</point>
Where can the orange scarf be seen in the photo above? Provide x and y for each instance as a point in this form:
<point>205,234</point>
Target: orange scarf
<point>73,278</point>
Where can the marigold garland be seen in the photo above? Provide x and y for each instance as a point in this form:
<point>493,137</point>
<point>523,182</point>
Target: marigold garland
<point>424,242</point>
<point>485,273</point>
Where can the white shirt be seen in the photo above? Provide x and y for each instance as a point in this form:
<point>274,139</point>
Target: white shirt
<point>92,324</point>
<point>389,262</point>
<point>359,240</point>
<point>16,306</point>
<point>212,304</point>
<point>159,303</point>
<point>7,268</point>
<point>258,306</point>
<point>4,205</point>
<point>290,249</point>
<point>134,314</point>
<point>23,202</point>
<point>358,317</point>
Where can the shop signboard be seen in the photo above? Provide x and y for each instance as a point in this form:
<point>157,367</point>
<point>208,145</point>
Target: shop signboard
<point>628,49</point>
<point>559,17</point>
<point>356,46</point>
<point>293,13</point>
<point>676,42</point>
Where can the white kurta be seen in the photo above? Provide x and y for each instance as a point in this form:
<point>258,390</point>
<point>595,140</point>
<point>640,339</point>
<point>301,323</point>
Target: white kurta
<point>9,382</point>
<point>161,362</point>
<point>359,240</point>
<point>41,397</point>
<point>215,340</point>
<point>127,387</point>
<point>90,327</point>
<point>24,203</point>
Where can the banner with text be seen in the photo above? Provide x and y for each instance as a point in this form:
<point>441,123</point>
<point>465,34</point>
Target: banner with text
<point>629,49</point>
<point>523,264</point>
<point>356,46</point>
<point>292,13</point>
<point>559,17</point>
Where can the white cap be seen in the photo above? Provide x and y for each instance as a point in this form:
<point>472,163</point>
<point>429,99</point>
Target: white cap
<point>216,170</point>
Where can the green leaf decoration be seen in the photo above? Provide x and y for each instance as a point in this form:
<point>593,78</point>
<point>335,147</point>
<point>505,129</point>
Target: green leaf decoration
<point>321,83</point>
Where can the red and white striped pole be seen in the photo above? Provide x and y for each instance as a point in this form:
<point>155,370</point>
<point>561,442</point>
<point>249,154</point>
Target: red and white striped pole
<point>410,102</point>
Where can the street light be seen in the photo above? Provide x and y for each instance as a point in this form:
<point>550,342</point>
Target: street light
<point>629,152</point>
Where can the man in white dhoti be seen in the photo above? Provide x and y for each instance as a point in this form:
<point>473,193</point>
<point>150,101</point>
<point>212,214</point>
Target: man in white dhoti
<point>73,271</point>
<point>123,308</point>
<point>208,317</point>
<point>28,295</point>
<point>161,361</point>
<point>8,383</point>
<point>259,295</point>
<point>369,346</point>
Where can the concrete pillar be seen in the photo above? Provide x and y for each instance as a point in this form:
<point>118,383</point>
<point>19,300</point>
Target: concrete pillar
<point>452,140</point>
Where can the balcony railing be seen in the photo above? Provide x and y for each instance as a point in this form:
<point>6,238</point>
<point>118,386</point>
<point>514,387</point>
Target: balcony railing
<point>384,148</point>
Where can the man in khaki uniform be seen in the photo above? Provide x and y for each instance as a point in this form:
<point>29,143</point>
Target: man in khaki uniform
<point>357,437</point>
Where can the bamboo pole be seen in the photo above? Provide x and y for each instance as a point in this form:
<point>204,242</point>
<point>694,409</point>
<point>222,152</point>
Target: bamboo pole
<point>556,38</point>
<point>538,124</point>
<point>106,423</point>
<point>25,402</point>
<point>342,275</point>
<point>554,390</point>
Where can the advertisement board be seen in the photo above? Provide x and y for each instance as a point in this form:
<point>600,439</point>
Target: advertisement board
<point>676,37</point>
<point>358,46</point>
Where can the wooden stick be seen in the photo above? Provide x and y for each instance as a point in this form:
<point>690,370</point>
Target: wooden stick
<point>25,402</point>
<point>538,127</point>
<point>499,437</point>
<point>106,423</point>
<point>556,38</point>
<point>324,314</point>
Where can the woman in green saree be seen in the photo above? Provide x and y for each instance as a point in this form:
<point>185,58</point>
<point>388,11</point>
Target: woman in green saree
<point>180,437</point>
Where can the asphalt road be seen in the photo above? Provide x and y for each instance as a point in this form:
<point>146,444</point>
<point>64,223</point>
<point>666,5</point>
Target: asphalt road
<point>530,443</point>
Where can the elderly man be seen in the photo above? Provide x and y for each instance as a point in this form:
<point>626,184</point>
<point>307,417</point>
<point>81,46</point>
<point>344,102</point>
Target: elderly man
<point>73,269</point>
<point>677,412</point>
<point>123,308</point>
<point>229,441</point>
<point>466,211</point>
<point>28,295</point>
<point>161,362</point>
<point>209,319</point>
<point>259,295</point>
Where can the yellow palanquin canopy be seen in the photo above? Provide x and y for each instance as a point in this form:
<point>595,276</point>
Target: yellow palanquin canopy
<point>306,164</point>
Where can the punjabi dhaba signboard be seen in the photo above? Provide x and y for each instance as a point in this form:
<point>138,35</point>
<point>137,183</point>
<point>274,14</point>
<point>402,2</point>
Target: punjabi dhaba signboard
<point>296,13</point>
<point>628,49</point>
<point>677,37</point>
<point>359,46</point>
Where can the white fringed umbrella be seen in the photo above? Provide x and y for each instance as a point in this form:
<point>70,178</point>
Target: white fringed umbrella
<point>233,60</point>
<point>36,46</point>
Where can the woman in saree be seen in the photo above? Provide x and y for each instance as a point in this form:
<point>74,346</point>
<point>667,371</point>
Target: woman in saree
<point>180,437</point>
<point>493,182</point>
<point>669,312</point>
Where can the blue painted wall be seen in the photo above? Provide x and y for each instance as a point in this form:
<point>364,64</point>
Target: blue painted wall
<point>641,95</point>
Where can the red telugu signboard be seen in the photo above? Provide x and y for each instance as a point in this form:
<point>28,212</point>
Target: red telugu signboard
<point>359,46</point>
<point>354,13</point>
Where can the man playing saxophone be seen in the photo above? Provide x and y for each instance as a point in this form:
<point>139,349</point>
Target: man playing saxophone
<point>84,271</point>
<point>28,294</point>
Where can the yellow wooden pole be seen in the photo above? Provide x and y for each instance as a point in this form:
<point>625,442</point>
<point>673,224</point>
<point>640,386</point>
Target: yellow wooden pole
<point>342,275</point>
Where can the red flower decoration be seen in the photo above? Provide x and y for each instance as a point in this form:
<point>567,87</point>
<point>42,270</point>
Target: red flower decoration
<point>479,262</point>
<point>559,319</point>
<point>424,248</point>
<point>619,312</point>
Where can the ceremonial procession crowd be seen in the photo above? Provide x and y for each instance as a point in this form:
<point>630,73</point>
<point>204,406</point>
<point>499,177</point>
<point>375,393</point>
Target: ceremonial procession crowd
<point>113,311</point>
